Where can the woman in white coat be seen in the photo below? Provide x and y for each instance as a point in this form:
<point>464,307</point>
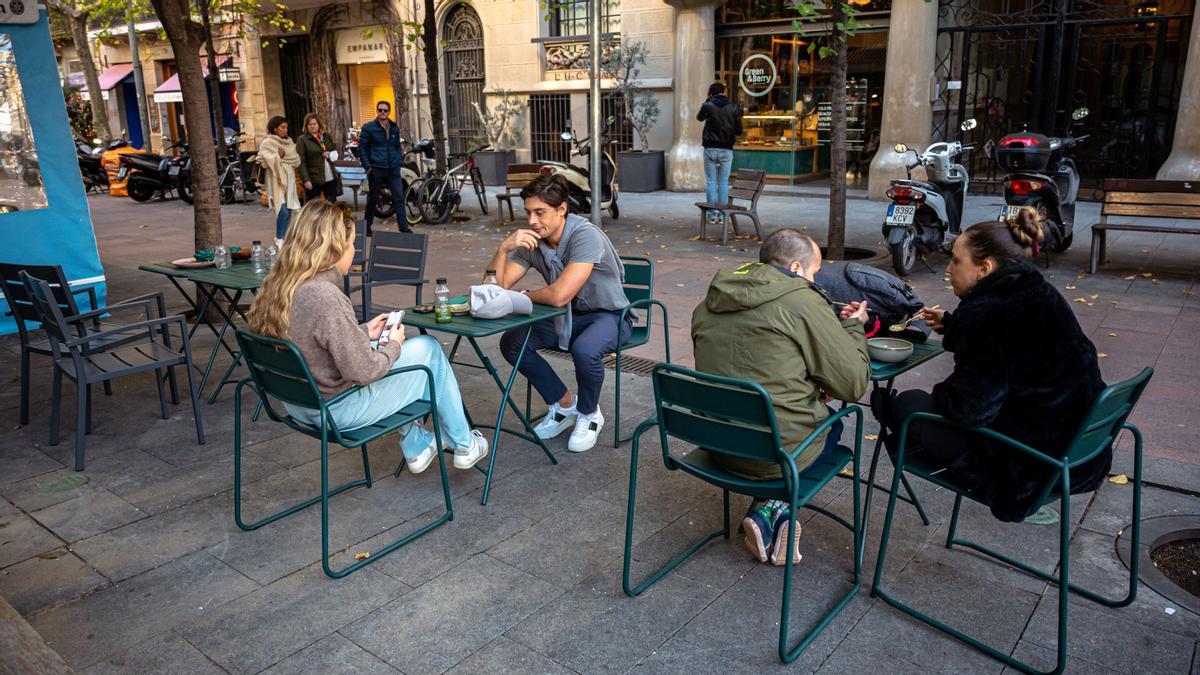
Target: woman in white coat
<point>277,153</point>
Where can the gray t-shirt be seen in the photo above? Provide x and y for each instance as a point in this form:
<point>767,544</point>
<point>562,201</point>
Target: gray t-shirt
<point>602,291</point>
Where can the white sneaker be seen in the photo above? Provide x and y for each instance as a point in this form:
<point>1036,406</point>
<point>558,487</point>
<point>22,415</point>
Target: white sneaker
<point>587,430</point>
<point>422,461</point>
<point>465,458</point>
<point>557,420</point>
<point>278,243</point>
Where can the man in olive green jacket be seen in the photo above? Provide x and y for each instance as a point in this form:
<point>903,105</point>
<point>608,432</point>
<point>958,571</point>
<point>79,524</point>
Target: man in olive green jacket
<point>766,322</point>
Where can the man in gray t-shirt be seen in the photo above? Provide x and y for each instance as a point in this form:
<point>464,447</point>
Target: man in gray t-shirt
<point>584,274</point>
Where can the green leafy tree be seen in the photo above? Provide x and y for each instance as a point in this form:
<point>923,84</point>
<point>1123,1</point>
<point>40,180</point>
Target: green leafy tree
<point>77,14</point>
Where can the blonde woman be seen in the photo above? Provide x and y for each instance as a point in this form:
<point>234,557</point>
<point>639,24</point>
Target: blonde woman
<point>301,300</point>
<point>278,154</point>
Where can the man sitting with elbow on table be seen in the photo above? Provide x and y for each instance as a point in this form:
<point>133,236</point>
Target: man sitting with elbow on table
<point>584,274</point>
<point>768,323</point>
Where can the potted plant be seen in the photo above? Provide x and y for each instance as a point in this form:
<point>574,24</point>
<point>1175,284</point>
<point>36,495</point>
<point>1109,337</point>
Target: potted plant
<point>639,170</point>
<point>501,133</point>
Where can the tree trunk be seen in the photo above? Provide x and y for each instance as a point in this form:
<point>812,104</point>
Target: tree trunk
<point>389,11</point>
<point>78,20</point>
<point>429,38</point>
<point>214,83</point>
<point>837,141</point>
<point>329,89</point>
<point>186,37</point>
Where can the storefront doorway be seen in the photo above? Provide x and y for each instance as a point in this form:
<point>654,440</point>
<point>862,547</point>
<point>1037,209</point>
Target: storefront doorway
<point>464,72</point>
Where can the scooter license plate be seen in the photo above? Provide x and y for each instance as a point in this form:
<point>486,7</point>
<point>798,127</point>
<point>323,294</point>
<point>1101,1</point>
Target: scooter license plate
<point>899,214</point>
<point>1009,211</point>
<point>122,172</point>
<point>174,170</point>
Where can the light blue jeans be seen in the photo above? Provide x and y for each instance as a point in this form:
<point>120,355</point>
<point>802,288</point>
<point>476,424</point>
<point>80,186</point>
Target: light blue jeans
<point>385,397</point>
<point>717,164</point>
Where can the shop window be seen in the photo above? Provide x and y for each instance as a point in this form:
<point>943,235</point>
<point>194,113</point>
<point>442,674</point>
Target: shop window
<point>571,18</point>
<point>745,11</point>
<point>549,116</point>
<point>21,186</point>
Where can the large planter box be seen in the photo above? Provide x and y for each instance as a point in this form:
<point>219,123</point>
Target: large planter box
<point>641,171</point>
<point>493,165</point>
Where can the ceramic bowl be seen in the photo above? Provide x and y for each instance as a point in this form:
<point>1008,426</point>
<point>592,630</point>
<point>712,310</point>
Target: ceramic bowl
<point>889,350</point>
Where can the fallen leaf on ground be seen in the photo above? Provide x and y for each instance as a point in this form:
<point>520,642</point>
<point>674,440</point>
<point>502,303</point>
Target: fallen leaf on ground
<point>1187,292</point>
<point>1080,300</point>
<point>680,285</point>
<point>1145,250</point>
<point>871,437</point>
<point>1095,295</point>
<point>1102,355</point>
<point>949,287</point>
<point>1070,287</point>
<point>846,473</point>
<point>1147,274</point>
<point>1156,281</point>
<point>362,556</point>
<point>1131,277</point>
<point>662,246</point>
<point>1112,335</point>
<point>1119,479</point>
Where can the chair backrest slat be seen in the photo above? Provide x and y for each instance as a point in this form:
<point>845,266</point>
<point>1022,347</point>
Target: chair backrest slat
<point>46,310</point>
<point>719,414</point>
<point>397,256</point>
<point>639,282</point>
<point>279,369</point>
<point>18,298</point>
<point>360,242</point>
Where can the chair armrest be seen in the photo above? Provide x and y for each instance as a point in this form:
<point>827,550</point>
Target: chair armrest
<point>91,293</point>
<point>144,305</point>
<point>151,323</point>
<point>825,425</point>
<point>649,304</point>
<point>395,282</point>
<point>981,431</point>
<point>156,296</point>
<point>390,373</point>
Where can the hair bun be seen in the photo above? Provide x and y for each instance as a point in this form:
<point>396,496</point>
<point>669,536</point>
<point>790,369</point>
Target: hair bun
<point>1026,227</point>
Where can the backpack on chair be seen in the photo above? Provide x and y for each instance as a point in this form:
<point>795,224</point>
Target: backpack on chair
<point>889,299</point>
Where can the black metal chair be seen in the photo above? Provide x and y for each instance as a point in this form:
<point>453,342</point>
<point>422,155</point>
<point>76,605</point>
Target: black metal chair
<point>77,357</point>
<point>396,259</point>
<point>22,311</point>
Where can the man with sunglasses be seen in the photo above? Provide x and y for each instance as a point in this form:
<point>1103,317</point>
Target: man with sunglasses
<point>379,150</point>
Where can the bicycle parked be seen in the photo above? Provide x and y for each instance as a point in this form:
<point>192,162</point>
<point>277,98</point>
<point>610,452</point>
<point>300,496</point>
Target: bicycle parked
<point>441,195</point>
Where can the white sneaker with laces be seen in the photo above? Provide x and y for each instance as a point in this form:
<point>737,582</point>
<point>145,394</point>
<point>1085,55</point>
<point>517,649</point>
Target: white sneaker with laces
<point>587,430</point>
<point>557,420</point>
<point>278,243</point>
<point>422,461</point>
<point>465,458</point>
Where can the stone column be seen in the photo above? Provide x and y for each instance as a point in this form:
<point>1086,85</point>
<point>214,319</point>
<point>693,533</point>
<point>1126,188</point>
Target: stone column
<point>907,110</point>
<point>1184,161</point>
<point>695,67</point>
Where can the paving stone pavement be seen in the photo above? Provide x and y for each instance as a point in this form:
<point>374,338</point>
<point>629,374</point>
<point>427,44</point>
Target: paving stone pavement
<point>136,565</point>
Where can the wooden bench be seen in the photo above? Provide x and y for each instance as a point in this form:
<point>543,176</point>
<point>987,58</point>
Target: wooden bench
<point>746,187</point>
<point>518,177</point>
<point>1144,199</point>
<point>353,175</point>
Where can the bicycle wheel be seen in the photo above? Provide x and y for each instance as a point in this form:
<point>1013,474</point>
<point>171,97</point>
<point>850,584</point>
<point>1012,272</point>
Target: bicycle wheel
<point>434,205</point>
<point>477,181</point>
<point>412,203</point>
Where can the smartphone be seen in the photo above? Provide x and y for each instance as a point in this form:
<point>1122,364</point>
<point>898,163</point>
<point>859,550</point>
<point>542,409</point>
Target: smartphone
<point>393,320</point>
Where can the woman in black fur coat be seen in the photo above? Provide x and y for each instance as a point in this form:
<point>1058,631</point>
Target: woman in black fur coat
<point>1022,367</point>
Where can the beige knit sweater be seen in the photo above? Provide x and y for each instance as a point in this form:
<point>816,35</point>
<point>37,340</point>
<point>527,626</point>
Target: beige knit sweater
<point>281,171</point>
<point>336,346</point>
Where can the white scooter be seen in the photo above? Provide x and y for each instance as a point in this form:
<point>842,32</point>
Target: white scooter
<point>922,211</point>
<point>579,196</point>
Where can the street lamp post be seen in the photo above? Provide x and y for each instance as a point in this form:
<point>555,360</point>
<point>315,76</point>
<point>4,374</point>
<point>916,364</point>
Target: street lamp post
<point>597,125</point>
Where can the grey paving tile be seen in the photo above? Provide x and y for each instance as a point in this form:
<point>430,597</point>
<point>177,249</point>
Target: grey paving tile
<point>442,622</point>
<point>541,489</point>
<point>47,489</point>
<point>331,654</point>
<point>259,629</point>
<point>721,562</point>
<point>21,537</point>
<point>885,636</point>
<point>42,581</point>
<point>595,627</point>
<point>678,656</point>
<point>102,624</point>
<point>1112,509</point>
<point>164,653</point>
<point>1044,658</point>
<point>21,459</point>
<point>505,656</point>
<point>89,514</point>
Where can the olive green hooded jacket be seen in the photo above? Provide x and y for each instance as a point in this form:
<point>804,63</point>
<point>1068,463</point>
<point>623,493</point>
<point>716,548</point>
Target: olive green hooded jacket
<point>763,325</point>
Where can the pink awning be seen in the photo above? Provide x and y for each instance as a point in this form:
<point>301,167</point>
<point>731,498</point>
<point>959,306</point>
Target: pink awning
<point>172,83</point>
<point>111,77</point>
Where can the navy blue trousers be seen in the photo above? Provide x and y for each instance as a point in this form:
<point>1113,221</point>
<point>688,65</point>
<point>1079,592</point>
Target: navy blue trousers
<point>395,181</point>
<point>594,335</point>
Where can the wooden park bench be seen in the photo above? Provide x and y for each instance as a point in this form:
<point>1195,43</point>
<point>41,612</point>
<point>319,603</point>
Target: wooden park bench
<point>353,176</point>
<point>517,177</point>
<point>746,187</point>
<point>1144,199</point>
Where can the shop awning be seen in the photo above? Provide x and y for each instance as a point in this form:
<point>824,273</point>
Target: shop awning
<point>169,92</point>
<point>110,78</point>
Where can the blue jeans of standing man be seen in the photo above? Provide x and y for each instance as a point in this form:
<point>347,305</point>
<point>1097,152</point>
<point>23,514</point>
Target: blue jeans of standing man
<point>385,397</point>
<point>594,335</point>
<point>376,179</point>
<point>717,164</point>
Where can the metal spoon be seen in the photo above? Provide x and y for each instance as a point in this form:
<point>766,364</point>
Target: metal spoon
<point>897,327</point>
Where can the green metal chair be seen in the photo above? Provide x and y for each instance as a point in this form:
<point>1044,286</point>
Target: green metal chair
<point>1098,431</point>
<point>278,370</point>
<point>736,418</point>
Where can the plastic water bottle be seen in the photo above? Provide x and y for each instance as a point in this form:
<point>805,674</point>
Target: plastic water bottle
<point>441,313</point>
<point>272,256</point>
<point>257,260</point>
<point>221,258</point>
<point>490,278</point>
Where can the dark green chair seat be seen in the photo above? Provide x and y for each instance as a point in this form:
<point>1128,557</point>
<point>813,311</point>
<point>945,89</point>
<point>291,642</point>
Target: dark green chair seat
<point>1097,433</point>
<point>736,418</point>
<point>279,372</point>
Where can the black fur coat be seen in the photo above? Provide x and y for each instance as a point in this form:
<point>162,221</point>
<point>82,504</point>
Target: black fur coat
<point>1023,367</point>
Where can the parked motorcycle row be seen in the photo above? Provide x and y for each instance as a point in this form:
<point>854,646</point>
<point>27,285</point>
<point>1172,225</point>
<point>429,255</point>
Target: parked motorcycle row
<point>926,215</point>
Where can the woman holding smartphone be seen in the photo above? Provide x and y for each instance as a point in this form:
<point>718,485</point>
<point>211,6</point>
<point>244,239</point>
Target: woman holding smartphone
<point>301,300</point>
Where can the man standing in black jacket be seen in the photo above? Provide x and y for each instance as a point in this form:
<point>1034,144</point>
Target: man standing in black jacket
<point>722,125</point>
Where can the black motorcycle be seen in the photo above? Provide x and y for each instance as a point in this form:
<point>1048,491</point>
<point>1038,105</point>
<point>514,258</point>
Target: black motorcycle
<point>1042,175</point>
<point>91,166</point>
<point>147,174</point>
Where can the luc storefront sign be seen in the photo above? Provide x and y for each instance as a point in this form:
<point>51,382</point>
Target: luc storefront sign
<point>757,75</point>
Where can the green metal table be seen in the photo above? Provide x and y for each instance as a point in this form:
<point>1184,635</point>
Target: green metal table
<point>231,283</point>
<point>471,329</point>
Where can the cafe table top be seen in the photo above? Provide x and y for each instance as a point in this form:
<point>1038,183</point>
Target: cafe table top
<point>467,326</point>
<point>240,276</point>
<point>922,352</point>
